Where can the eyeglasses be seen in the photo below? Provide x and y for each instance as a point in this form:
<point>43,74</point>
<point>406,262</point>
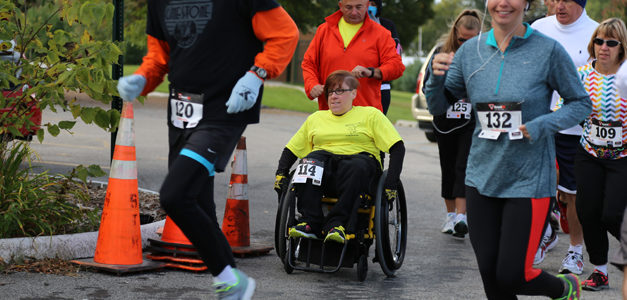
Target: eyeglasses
<point>461,40</point>
<point>609,43</point>
<point>339,91</point>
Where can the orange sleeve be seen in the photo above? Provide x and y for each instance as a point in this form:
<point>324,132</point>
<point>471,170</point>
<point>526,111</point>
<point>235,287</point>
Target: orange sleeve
<point>311,63</point>
<point>155,64</point>
<point>278,31</point>
<point>391,63</point>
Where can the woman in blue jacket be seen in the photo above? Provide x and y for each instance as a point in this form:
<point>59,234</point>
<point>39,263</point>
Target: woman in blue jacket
<point>508,75</point>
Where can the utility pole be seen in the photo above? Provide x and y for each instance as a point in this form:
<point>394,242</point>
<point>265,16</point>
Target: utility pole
<point>118,36</point>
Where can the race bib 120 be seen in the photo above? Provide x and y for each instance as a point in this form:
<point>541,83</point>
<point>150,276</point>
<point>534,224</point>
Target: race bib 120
<point>186,109</point>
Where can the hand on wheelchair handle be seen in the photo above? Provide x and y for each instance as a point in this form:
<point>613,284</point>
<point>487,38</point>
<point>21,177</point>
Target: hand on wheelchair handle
<point>391,194</point>
<point>280,184</point>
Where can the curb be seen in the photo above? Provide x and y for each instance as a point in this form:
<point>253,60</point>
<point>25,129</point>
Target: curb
<point>66,246</point>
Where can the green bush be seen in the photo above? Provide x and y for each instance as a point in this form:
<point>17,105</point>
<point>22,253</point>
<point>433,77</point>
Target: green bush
<point>38,204</point>
<point>407,82</point>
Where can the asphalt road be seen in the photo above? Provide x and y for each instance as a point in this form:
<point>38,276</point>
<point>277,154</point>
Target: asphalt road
<point>436,265</point>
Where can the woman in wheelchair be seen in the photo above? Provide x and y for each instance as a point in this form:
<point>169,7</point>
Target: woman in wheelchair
<point>343,143</point>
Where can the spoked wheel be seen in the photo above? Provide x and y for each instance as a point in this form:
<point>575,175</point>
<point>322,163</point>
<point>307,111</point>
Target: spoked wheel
<point>286,220</point>
<point>278,233</point>
<point>362,268</point>
<point>288,260</point>
<point>390,224</point>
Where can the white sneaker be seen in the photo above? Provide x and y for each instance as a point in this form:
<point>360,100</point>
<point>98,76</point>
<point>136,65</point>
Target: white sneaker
<point>572,263</point>
<point>549,241</point>
<point>449,223</point>
<point>461,227</point>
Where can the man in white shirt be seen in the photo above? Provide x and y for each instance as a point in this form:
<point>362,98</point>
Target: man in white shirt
<point>573,29</point>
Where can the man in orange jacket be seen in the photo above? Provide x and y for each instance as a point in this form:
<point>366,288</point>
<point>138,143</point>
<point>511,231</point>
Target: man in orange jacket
<point>349,40</point>
<point>217,55</point>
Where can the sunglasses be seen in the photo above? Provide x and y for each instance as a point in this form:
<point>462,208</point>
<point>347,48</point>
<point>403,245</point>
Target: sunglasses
<point>339,91</point>
<point>609,43</point>
<point>461,40</point>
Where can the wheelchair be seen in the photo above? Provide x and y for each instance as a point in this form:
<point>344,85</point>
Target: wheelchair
<point>379,221</point>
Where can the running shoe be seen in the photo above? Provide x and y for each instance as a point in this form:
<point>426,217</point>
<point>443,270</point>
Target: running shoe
<point>572,263</point>
<point>302,230</point>
<point>549,241</point>
<point>449,223</point>
<point>243,289</point>
<point>461,228</point>
<point>596,282</point>
<point>336,234</point>
<point>555,218</point>
<point>573,289</point>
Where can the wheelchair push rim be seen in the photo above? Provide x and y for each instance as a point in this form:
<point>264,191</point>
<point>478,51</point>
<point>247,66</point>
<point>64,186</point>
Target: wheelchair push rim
<point>390,229</point>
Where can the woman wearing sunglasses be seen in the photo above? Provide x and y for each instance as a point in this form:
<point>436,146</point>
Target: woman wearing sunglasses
<point>600,162</point>
<point>453,131</point>
<point>508,75</point>
<point>343,143</point>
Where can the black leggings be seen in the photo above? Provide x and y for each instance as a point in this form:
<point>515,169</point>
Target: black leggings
<point>505,234</point>
<point>601,199</point>
<point>344,175</point>
<point>187,197</point>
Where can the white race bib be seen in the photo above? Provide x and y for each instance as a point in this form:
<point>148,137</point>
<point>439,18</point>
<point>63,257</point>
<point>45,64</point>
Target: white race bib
<point>499,117</point>
<point>186,109</point>
<point>308,168</point>
<point>606,133</point>
<point>458,110</point>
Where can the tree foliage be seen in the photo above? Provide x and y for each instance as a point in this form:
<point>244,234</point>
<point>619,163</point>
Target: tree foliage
<point>407,15</point>
<point>61,52</point>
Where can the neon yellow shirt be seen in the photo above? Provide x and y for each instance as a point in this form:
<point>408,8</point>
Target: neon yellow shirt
<point>348,31</point>
<point>361,129</point>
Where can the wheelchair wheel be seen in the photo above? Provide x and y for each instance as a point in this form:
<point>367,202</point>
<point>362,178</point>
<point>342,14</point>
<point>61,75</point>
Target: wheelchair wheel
<point>277,224</point>
<point>362,268</point>
<point>390,228</point>
<point>286,220</point>
<point>286,264</point>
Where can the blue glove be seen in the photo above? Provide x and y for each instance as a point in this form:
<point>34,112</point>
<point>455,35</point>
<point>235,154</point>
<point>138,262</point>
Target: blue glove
<point>131,86</point>
<point>244,94</point>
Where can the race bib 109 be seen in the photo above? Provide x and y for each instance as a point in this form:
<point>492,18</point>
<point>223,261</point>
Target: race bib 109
<point>607,134</point>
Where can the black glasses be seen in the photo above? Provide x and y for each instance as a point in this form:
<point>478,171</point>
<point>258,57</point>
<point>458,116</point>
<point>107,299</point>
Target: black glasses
<point>461,40</point>
<point>339,91</point>
<point>609,43</point>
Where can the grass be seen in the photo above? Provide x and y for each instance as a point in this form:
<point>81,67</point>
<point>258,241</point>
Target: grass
<point>291,98</point>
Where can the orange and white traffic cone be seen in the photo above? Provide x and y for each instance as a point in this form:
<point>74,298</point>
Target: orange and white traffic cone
<point>175,248</point>
<point>119,245</point>
<point>235,224</point>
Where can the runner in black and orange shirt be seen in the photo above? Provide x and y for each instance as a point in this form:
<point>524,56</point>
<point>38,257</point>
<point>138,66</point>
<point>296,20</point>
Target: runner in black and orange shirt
<point>217,55</point>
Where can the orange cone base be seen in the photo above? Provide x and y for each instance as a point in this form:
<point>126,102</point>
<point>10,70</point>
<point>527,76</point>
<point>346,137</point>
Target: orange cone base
<point>255,249</point>
<point>235,223</point>
<point>180,262</point>
<point>146,265</point>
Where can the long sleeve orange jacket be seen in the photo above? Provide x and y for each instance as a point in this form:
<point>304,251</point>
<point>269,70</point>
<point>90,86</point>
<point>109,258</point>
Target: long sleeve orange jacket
<point>372,46</point>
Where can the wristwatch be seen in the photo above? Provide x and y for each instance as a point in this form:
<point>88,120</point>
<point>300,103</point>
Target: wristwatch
<point>261,72</point>
<point>371,72</point>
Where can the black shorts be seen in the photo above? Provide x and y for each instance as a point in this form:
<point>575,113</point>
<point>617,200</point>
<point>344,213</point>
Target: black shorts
<point>215,143</point>
<point>454,148</point>
<point>566,146</point>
